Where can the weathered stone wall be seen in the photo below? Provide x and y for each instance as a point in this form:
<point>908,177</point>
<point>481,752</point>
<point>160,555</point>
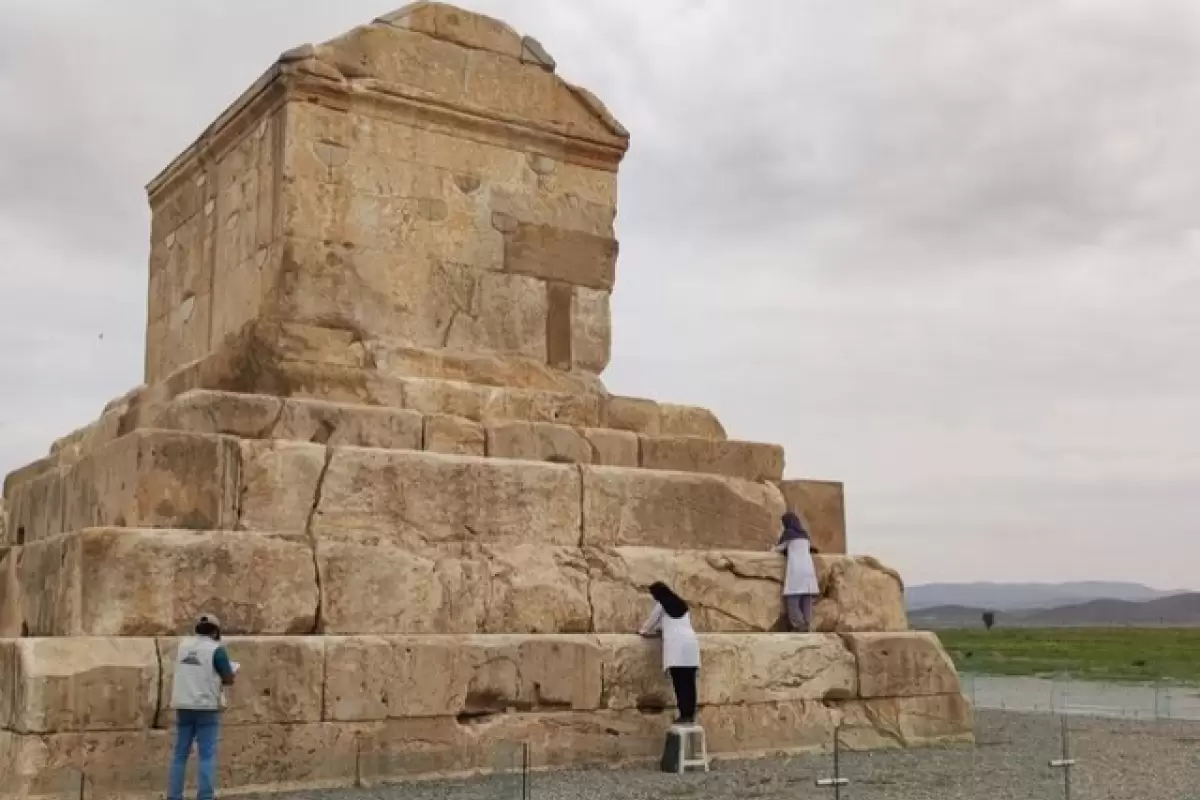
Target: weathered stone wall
<point>374,442</point>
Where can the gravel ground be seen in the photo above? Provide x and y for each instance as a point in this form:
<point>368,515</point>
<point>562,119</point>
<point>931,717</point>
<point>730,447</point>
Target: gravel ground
<point>1116,760</point>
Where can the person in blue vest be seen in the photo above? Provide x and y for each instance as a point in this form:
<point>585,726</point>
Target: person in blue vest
<point>202,671</point>
<point>671,619</point>
<point>800,586</point>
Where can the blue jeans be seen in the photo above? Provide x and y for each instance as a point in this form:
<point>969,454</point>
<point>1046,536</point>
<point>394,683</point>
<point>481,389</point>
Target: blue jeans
<point>201,727</point>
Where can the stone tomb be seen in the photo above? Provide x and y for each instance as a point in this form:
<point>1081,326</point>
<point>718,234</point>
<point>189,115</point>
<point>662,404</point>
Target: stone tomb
<point>374,440</point>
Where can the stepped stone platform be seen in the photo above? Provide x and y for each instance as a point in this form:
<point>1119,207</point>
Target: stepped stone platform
<point>373,439</point>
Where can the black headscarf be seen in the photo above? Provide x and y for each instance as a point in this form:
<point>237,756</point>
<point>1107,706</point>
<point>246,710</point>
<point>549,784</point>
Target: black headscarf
<point>793,528</point>
<point>672,604</point>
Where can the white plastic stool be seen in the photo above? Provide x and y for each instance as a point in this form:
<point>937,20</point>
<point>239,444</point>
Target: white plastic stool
<point>689,754</point>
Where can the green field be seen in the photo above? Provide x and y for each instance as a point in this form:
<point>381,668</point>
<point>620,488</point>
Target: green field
<point>1108,654</point>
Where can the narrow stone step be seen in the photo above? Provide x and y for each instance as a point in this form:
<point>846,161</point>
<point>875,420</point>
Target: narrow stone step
<point>77,684</point>
<point>116,581</point>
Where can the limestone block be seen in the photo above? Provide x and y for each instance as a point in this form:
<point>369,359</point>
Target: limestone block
<point>132,765</point>
<point>858,593</point>
<point>633,414</point>
<point>678,420</point>
<point>486,369</point>
<point>279,485</point>
<point>454,25</point>
<point>350,425</point>
<point>454,435</point>
<point>36,506</point>
<point>902,664</point>
<point>78,684</point>
<point>907,722</point>
<point>736,669</point>
<point>376,677</point>
<point>822,507</point>
<point>121,582</point>
<point>410,499</point>
<point>154,479</point>
<point>383,589</point>
<point>590,329</point>
<point>533,588</point>
<point>495,404</point>
<point>20,475</point>
<point>403,748</point>
<point>678,509</point>
<point>537,441</point>
<point>202,411</point>
<point>612,448</point>
<point>558,254</point>
<point>729,591</point>
<point>280,679</point>
<point>766,728</point>
<point>380,589</point>
<point>12,617</point>
<point>749,460</point>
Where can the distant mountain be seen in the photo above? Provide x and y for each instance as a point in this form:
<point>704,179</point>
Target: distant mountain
<point>1179,610</point>
<point>1024,596</point>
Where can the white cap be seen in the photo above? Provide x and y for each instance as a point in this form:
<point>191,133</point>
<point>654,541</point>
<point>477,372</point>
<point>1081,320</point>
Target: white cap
<point>208,619</point>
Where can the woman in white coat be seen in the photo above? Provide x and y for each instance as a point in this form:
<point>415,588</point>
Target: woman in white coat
<point>681,648</point>
<point>800,581</point>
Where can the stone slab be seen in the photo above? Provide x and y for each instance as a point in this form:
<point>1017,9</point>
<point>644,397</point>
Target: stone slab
<point>822,506</point>
<point>678,509</point>
<point>77,684</point>
<point>902,664</point>
<point>651,418</point>
<point>751,461</point>
<point>12,617</point>
<point>537,441</point>
<point>415,500</point>
<point>735,590</point>
<point>281,680</point>
<point>858,593</point>
<point>376,678</point>
<point>907,722</point>
<point>144,479</point>
<point>388,590</point>
<point>457,436</point>
<point>133,765</point>
<point>612,448</point>
<point>126,582</point>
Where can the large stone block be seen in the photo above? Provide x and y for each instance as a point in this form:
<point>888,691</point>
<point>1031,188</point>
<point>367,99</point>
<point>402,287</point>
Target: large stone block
<point>456,436</point>
<point>280,680</point>
<point>907,664</point>
<point>415,500</point>
<point>36,506</point>
<point>537,441</point>
<point>451,24</point>
<point>792,726</point>
<point>822,506</point>
<point>907,722</point>
<point>736,669</point>
<point>639,415</point>
<point>121,582</point>
<point>78,684</point>
<point>858,593</point>
<point>748,460</point>
<point>12,617</point>
<point>729,591</point>
<point>387,590</point>
<point>153,479</point>
<point>133,765</point>
<point>280,482</point>
<point>678,509</point>
<point>612,448</point>
<point>376,678</point>
<point>486,404</point>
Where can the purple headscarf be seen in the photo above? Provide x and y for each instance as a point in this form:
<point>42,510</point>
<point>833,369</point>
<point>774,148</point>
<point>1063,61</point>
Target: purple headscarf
<point>793,529</point>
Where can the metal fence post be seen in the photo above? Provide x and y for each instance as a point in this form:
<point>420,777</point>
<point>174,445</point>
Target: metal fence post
<point>1066,762</point>
<point>837,781</point>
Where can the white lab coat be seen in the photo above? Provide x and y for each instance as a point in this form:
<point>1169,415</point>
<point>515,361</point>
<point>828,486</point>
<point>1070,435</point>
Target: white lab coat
<point>801,576</point>
<point>680,647</point>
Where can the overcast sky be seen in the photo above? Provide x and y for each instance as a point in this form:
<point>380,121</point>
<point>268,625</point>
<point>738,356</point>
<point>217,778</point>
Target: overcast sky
<point>947,252</point>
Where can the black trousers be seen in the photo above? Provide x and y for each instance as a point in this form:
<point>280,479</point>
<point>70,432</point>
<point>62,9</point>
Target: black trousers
<point>684,679</point>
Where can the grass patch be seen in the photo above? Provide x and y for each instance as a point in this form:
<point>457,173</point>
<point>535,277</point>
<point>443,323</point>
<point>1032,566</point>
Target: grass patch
<point>1102,654</point>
